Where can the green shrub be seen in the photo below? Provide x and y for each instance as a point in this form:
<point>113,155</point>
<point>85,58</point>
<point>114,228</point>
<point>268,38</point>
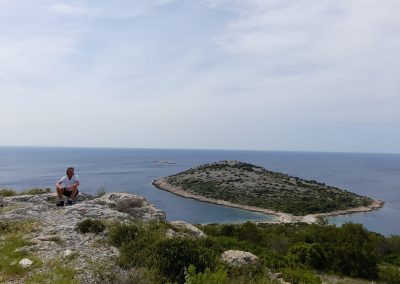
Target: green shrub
<point>176,254</point>
<point>7,192</point>
<point>136,242</point>
<point>219,276</point>
<point>121,233</point>
<point>299,276</point>
<point>139,275</point>
<point>90,226</point>
<point>311,255</point>
<point>389,273</point>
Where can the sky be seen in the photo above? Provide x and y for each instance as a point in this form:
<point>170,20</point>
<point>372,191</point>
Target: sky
<point>302,75</point>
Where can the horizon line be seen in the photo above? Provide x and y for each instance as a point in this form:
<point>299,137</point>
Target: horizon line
<point>196,149</point>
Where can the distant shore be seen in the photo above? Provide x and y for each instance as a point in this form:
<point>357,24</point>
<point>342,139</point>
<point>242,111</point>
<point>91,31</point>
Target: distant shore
<point>282,217</point>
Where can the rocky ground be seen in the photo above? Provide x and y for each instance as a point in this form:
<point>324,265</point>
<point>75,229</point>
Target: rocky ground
<point>54,237</point>
<point>55,245</point>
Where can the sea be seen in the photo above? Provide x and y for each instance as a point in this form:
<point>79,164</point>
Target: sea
<point>133,170</point>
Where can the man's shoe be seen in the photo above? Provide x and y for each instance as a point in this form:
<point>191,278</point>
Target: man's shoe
<point>60,203</point>
<point>69,202</point>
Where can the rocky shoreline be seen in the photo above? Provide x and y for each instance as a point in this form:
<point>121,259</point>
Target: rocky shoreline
<point>162,184</point>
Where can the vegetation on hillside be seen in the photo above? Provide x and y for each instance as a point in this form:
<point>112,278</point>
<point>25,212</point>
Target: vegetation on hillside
<point>246,184</point>
<point>5,192</point>
<point>299,252</point>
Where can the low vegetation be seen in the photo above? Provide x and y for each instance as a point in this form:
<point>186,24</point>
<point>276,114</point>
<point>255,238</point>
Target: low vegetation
<point>300,253</point>
<point>90,226</point>
<point>101,191</point>
<point>11,248</point>
<point>57,271</point>
<point>246,184</point>
<point>5,192</point>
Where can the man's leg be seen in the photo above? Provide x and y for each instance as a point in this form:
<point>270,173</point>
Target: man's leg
<point>60,192</point>
<point>74,193</point>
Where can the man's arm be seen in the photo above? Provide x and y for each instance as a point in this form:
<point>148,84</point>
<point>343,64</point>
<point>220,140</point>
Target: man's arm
<point>59,182</point>
<point>76,183</point>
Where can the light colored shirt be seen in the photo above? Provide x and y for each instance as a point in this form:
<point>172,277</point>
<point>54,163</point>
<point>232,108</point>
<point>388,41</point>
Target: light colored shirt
<point>69,182</point>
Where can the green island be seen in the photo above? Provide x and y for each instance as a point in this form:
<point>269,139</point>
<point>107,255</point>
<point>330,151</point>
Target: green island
<point>251,187</point>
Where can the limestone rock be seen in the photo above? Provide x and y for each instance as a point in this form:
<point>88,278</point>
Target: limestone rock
<point>183,229</point>
<point>132,204</point>
<point>25,262</point>
<point>238,258</point>
<point>53,229</point>
<point>67,253</point>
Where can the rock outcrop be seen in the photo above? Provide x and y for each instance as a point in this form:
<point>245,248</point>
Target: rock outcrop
<point>184,230</point>
<point>54,235</point>
<point>238,258</point>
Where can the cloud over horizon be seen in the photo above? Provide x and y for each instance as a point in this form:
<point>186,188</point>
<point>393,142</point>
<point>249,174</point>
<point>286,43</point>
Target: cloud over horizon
<point>268,75</point>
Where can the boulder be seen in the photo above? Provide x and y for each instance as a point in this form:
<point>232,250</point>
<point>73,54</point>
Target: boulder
<point>185,230</point>
<point>238,258</point>
<point>132,204</point>
<point>25,262</point>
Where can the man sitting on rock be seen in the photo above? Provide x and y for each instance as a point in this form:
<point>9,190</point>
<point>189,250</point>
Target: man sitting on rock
<point>68,186</point>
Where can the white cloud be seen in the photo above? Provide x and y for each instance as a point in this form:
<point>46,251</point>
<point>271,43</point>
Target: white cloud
<point>201,74</point>
<point>67,9</point>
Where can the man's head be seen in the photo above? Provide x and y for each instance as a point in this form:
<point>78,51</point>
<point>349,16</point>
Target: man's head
<point>70,171</point>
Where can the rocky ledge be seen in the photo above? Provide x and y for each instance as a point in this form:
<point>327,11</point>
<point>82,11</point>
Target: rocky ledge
<point>54,235</point>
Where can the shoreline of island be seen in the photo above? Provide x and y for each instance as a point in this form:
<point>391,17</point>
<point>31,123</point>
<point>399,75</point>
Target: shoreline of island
<point>162,184</point>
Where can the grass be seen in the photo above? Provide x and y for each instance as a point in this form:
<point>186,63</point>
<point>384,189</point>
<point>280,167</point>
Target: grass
<point>11,249</point>
<point>35,191</point>
<point>101,191</point>
<point>22,227</point>
<point>9,208</point>
<point>6,192</point>
<point>90,226</point>
<point>57,272</point>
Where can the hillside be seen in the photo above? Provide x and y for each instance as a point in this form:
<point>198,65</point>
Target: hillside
<point>248,185</point>
<point>122,238</point>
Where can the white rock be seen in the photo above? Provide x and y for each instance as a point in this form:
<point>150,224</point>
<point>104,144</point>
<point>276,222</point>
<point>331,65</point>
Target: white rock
<point>183,229</point>
<point>238,258</point>
<point>25,263</point>
<point>67,253</point>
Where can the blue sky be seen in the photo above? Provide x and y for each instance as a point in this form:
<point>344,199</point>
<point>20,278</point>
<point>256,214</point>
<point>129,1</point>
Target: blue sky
<point>268,75</point>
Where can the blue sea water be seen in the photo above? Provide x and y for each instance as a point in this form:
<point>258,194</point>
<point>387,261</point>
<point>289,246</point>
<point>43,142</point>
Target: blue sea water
<point>133,170</point>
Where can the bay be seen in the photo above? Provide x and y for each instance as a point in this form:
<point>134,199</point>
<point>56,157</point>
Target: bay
<point>133,170</point>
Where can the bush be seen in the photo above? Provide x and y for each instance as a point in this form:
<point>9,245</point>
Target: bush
<point>299,276</point>
<point>311,255</point>
<point>139,275</point>
<point>122,233</point>
<point>389,273</point>
<point>207,277</point>
<point>90,226</point>
<point>176,254</point>
<point>7,192</point>
<point>137,242</point>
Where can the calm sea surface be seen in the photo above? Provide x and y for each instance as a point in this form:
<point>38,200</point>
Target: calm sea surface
<point>133,170</point>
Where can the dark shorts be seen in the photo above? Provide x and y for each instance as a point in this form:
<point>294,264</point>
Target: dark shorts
<point>69,192</point>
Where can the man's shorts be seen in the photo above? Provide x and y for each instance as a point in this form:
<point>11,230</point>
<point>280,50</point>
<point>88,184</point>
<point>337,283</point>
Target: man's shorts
<point>69,192</point>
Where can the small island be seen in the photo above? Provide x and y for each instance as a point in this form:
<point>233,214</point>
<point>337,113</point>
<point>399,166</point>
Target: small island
<point>250,187</point>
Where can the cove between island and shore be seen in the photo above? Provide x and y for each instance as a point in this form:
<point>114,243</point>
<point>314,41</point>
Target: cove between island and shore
<point>162,184</point>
